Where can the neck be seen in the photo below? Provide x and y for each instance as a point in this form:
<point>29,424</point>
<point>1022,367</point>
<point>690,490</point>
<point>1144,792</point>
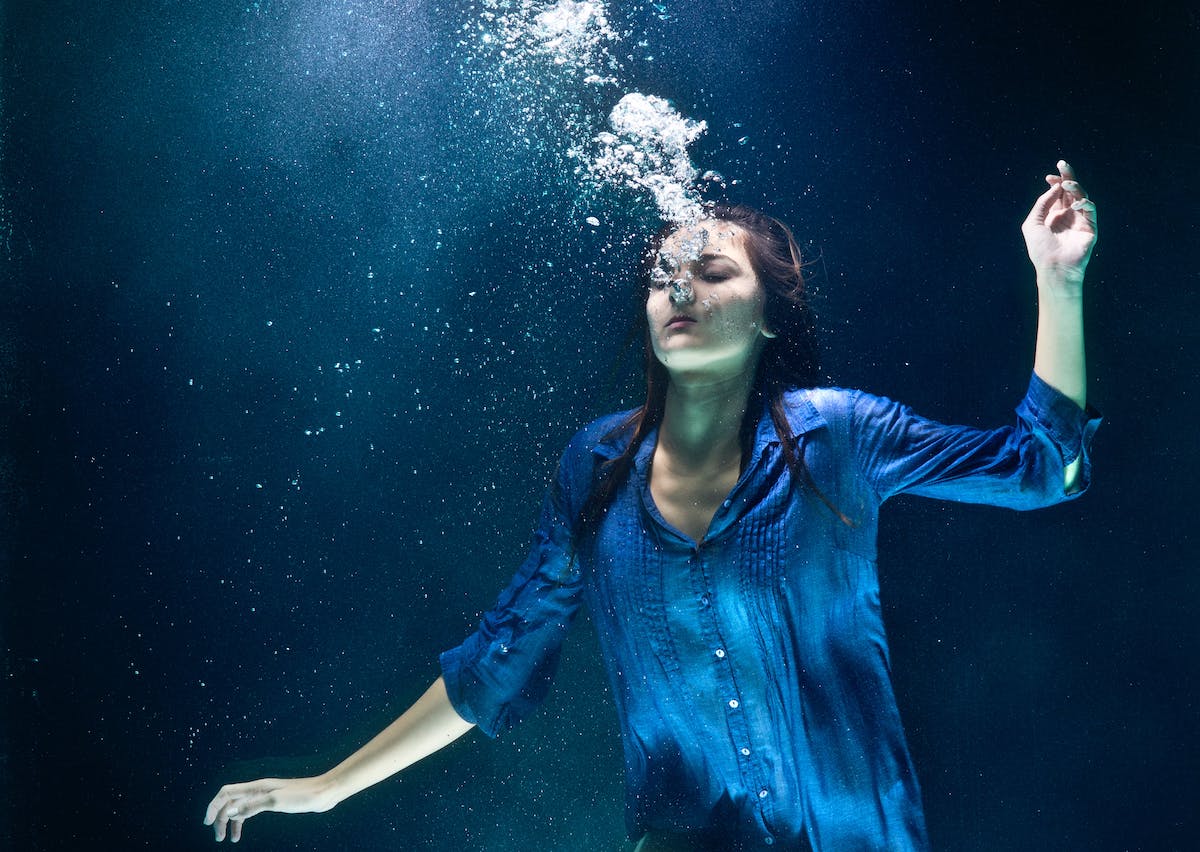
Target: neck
<point>702,417</point>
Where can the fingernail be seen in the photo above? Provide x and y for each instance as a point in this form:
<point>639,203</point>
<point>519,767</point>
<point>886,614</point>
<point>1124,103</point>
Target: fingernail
<point>1070,185</point>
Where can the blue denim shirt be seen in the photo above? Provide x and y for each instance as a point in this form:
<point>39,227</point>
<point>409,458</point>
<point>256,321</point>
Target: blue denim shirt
<point>750,669</point>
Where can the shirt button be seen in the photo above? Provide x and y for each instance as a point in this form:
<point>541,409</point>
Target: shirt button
<point>704,600</point>
<point>733,702</point>
<point>768,840</point>
<point>746,752</point>
<point>726,504</point>
<point>762,794</point>
<point>720,653</point>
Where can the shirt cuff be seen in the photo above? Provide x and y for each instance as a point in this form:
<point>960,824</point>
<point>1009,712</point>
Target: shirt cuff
<point>1069,427</point>
<point>452,664</point>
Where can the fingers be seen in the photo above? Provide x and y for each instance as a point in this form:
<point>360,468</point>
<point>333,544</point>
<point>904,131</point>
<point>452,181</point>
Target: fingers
<point>234,813</point>
<point>219,802</point>
<point>220,825</point>
<point>233,805</point>
<point>1079,201</point>
<point>1066,189</point>
<point>1069,183</point>
<point>231,817</point>
<point>1072,188</point>
<point>1045,202</point>
<point>226,819</point>
<point>1086,209</point>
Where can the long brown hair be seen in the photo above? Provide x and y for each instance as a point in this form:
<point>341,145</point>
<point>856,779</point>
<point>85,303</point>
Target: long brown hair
<point>788,360</point>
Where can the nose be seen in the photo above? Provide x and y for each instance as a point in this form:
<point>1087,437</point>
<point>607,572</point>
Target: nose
<point>681,292</point>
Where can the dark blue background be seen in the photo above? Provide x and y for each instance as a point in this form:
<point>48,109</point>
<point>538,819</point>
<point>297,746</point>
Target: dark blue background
<point>224,224</point>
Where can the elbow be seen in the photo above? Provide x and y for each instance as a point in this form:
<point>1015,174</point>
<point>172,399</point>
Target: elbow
<point>1072,478</point>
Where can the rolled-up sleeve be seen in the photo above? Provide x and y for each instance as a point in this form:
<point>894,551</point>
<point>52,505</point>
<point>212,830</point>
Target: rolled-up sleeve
<point>503,670</point>
<point>1021,466</point>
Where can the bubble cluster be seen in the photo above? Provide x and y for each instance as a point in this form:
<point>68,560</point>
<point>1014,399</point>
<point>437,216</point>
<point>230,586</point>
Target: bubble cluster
<point>537,70</point>
<point>576,33</point>
<point>673,265</point>
<point>550,73</point>
<point>649,150</point>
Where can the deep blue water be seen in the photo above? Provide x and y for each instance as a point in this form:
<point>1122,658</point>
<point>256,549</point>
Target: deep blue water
<point>297,314</point>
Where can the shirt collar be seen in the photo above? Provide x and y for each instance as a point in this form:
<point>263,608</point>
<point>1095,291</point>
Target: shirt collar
<point>802,417</point>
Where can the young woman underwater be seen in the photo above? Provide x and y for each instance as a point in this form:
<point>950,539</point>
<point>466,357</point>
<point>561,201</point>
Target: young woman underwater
<point>723,538</point>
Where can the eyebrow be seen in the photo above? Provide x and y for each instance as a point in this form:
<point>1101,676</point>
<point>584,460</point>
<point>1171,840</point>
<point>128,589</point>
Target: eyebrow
<point>671,263</point>
<point>707,257</point>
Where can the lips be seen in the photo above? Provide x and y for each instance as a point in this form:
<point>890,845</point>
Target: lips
<point>679,321</point>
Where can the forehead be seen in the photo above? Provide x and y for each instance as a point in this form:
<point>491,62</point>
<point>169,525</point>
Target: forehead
<point>713,238</point>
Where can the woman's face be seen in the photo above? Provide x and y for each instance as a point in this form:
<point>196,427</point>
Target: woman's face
<point>705,307</point>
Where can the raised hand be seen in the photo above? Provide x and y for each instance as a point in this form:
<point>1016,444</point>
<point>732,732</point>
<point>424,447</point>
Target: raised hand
<point>1060,230</point>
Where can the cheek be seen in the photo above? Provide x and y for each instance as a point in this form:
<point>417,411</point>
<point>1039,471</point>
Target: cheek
<point>653,307</point>
<point>657,313</point>
<point>737,316</point>
<point>755,310</point>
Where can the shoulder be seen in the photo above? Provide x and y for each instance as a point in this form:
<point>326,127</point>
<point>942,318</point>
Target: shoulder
<point>811,408</point>
<point>823,399</point>
<point>602,436</point>
<point>835,404</point>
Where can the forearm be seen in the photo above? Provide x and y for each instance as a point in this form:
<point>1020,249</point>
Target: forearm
<point>427,726</point>
<point>1059,358</point>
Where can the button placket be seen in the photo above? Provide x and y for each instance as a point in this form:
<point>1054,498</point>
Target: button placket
<point>739,729</point>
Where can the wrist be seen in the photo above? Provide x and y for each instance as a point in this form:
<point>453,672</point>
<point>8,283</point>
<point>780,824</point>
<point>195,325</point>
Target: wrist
<point>326,791</point>
<point>1059,282</point>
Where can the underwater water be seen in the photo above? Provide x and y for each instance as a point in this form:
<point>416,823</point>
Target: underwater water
<point>302,300</point>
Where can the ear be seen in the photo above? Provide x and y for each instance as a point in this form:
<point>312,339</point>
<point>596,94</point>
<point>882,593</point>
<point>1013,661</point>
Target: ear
<point>766,332</point>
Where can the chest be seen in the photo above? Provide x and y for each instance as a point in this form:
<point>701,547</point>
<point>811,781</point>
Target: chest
<point>689,500</point>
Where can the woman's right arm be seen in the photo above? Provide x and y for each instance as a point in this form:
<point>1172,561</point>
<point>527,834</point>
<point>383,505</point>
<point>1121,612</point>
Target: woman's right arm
<point>431,723</point>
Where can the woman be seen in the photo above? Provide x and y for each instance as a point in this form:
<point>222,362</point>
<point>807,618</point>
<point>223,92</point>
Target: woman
<point>723,536</point>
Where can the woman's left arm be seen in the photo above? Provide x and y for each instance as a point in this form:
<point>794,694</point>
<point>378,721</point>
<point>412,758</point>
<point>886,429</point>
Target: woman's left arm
<point>1060,233</point>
